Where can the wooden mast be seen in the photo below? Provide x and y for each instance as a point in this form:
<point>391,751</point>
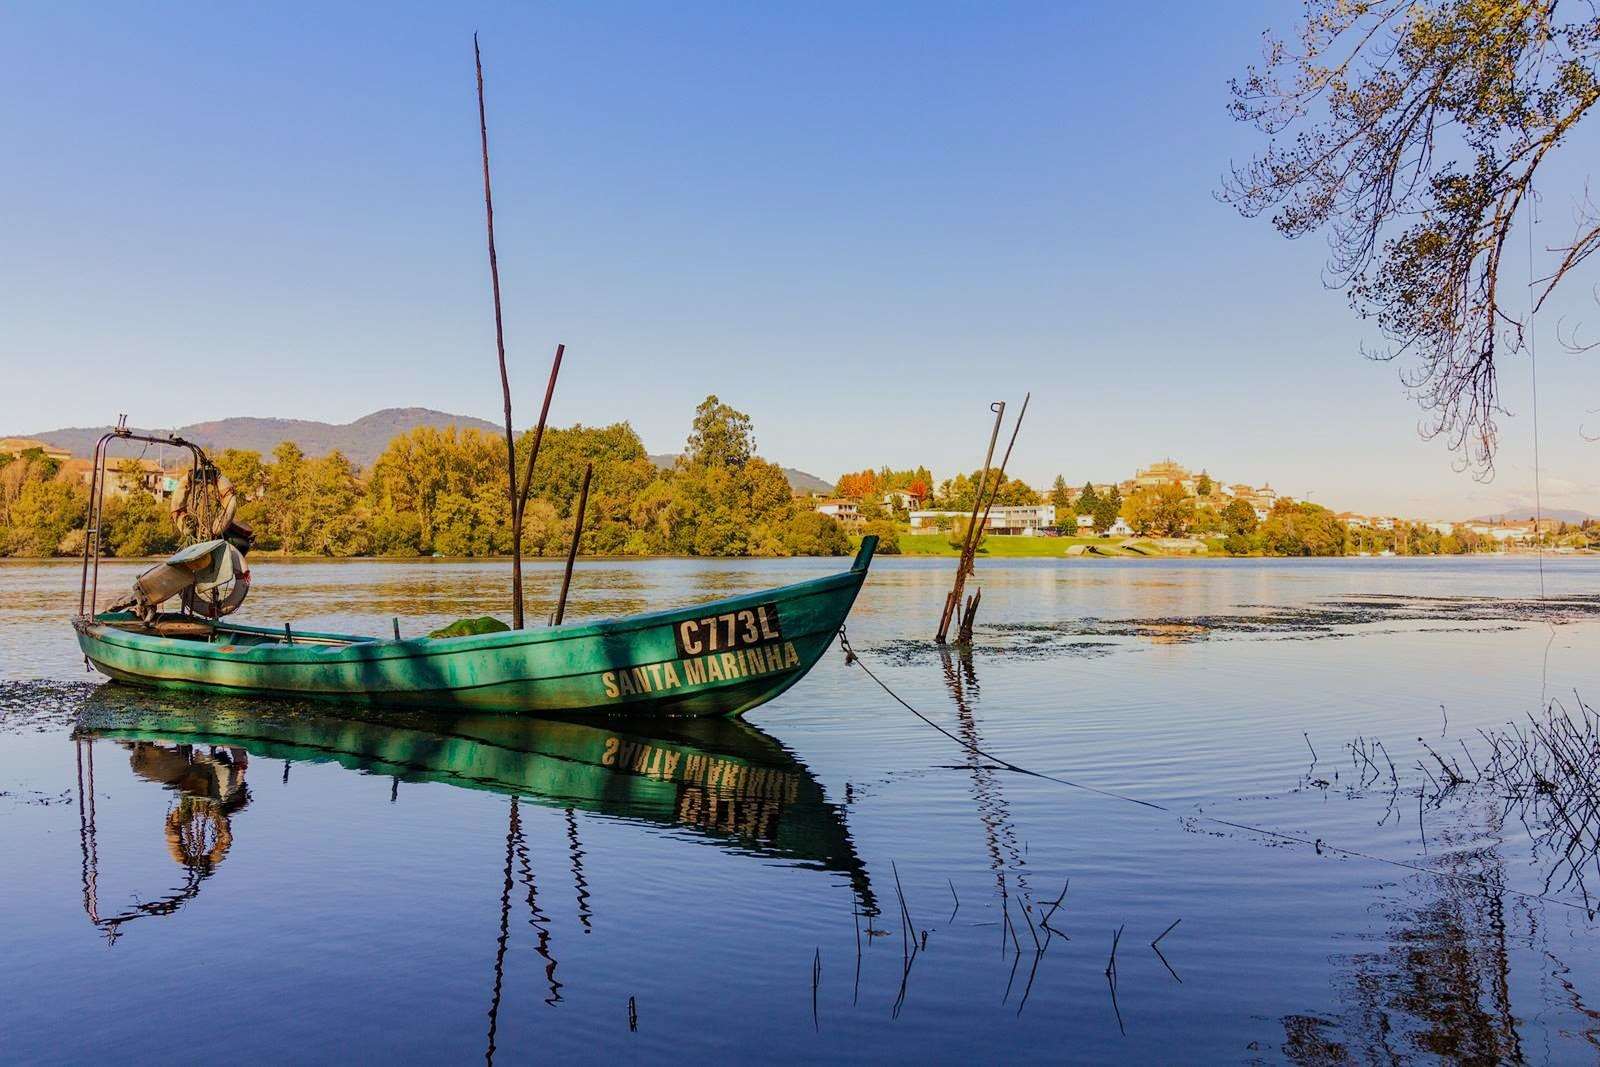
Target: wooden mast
<point>500,351</point>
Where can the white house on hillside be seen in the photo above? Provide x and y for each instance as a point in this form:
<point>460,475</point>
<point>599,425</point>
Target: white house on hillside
<point>845,511</point>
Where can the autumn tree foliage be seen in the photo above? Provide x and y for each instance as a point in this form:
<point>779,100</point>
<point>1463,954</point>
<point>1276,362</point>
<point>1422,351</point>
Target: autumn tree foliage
<point>1164,510</point>
<point>857,486</point>
<point>872,484</point>
<point>960,493</point>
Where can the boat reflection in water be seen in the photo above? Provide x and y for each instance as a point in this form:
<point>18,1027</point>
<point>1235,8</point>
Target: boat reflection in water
<point>723,781</point>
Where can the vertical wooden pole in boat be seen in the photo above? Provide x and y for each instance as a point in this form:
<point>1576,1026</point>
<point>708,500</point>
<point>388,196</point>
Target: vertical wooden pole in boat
<point>521,503</point>
<point>572,550</point>
<point>500,350</point>
<point>953,601</point>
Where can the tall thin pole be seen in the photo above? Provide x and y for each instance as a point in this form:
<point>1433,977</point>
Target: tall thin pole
<point>538,434</point>
<point>968,563</point>
<point>572,550</point>
<point>953,601</point>
<point>500,350</point>
<point>1000,478</point>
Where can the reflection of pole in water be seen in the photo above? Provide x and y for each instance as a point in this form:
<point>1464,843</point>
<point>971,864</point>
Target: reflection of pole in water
<point>579,882</point>
<point>513,832</point>
<point>86,837</point>
<point>538,920</point>
<point>999,833</point>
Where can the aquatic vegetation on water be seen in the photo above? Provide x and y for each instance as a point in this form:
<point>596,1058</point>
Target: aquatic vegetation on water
<point>1543,771</point>
<point>1341,617</point>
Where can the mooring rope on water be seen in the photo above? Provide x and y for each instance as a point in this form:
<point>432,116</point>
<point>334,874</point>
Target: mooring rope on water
<point>1319,844</point>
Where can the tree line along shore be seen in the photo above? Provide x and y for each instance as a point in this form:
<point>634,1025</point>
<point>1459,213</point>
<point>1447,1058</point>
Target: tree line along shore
<point>439,492</point>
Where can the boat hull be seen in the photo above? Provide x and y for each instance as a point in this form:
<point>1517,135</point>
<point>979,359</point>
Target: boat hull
<point>718,658</point>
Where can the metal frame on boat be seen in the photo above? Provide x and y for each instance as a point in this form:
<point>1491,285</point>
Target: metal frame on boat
<point>89,588</point>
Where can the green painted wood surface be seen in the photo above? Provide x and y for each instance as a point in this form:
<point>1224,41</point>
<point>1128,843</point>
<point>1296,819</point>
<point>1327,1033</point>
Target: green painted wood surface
<point>622,666</point>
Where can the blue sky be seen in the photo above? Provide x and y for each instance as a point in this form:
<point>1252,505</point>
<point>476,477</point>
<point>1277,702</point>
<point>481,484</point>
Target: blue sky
<point>859,223</point>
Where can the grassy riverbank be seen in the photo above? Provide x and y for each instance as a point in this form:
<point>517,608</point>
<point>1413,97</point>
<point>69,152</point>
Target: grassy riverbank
<point>938,544</point>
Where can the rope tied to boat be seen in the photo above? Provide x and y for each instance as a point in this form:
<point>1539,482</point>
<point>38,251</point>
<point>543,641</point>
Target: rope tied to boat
<point>1319,844</point>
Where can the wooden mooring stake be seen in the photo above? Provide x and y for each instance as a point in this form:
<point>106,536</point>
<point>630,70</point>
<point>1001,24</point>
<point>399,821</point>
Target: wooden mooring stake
<point>968,544</point>
<point>954,610</point>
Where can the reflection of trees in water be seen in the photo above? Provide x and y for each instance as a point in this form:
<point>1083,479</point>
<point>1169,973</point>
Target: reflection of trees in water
<point>1442,987</point>
<point>1000,836</point>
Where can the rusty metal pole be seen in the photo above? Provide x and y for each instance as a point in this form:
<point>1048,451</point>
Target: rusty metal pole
<point>572,551</point>
<point>1000,478</point>
<point>969,563</point>
<point>953,601</point>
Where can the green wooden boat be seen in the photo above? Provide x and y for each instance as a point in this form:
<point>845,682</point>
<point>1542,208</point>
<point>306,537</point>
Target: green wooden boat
<point>719,658</point>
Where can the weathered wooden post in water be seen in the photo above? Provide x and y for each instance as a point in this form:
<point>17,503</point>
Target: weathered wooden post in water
<point>953,606</point>
<point>968,544</point>
<point>518,498</point>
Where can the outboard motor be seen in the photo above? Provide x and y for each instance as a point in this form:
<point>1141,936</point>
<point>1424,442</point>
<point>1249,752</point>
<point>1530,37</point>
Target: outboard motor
<point>212,577</point>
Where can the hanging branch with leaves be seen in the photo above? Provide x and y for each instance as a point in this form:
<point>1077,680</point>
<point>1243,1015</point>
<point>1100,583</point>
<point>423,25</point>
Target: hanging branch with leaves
<point>1413,132</point>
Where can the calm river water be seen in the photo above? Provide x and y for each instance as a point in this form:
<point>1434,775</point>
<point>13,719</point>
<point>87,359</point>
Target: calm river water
<point>187,878</point>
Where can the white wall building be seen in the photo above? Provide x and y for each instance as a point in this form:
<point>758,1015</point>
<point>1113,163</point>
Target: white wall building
<point>846,511</point>
<point>1020,520</point>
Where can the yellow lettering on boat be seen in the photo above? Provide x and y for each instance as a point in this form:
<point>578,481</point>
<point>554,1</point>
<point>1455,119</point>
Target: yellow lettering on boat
<point>691,644</point>
<point>791,658</point>
<point>671,673</point>
<point>749,634</point>
<point>655,676</point>
<point>714,669</point>
<point>775,658</point>
<point>694,671</point>
<point>769,632</point>
<point>610,755</point>
<point>610,680</point>
<point>641,680</point>
<point>628,688</point>
<point>730,666</point>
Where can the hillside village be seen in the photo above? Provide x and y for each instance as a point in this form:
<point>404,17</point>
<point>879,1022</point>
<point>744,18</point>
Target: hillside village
<point>1172,502</point>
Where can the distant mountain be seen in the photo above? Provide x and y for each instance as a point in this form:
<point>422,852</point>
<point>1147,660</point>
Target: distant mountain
<point>363,440</point>
<point>800,481</point>
<point>1567,515</point>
